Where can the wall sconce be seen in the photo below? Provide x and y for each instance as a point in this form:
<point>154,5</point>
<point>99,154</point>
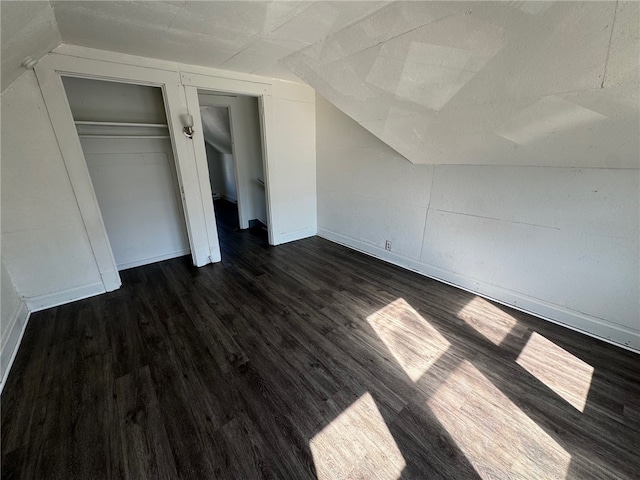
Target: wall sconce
<point>188,131</point>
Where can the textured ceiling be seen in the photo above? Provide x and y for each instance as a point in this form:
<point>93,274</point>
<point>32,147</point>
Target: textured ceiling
<point>519,83</point>
<point>524,83</point>
<point>242,36</point>
<point>27,29</point>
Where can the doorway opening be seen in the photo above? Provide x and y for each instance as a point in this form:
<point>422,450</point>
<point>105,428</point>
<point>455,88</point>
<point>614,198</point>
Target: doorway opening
<point>127,147</point>
<point>232,136</point>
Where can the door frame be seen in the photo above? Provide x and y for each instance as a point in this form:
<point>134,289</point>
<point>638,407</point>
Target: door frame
<point>194,82</point>
<point>243,222</point>
<point>203,241</point>
<point>242,180</point>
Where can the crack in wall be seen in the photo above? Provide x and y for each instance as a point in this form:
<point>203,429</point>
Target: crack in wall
<point>606,60</point>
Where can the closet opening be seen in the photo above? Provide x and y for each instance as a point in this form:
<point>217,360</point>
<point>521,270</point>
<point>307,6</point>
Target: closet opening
<point>232,136</point>
<point>127,147</point>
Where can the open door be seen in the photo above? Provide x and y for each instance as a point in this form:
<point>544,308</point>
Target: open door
<point>233,140</point>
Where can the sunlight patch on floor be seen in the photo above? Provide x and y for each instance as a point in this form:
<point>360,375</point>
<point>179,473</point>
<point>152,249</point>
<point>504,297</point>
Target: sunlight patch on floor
<point>357,443</point>
<point>487,319</point>
<point>493,433</point>
<point>411,339</point>
<point>562,372</point>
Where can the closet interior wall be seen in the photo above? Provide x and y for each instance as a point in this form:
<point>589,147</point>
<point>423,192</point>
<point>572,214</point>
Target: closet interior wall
<point>125,139</point>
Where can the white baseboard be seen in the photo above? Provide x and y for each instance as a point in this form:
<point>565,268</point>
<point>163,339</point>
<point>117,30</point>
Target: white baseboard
<point>159,258</point>
<point>18,321</point>
<point>595,327</point>
<point>293,236</point>
<point>21,315</point>
<point>42,302</point>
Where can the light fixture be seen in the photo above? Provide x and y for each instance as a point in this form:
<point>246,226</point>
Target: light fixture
<point>188,126</point>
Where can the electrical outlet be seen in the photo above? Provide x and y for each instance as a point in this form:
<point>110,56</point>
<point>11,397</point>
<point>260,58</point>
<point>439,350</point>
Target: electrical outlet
<point>387,245</point>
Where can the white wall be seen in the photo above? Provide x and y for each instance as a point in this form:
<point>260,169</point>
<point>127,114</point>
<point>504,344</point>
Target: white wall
<point>222,173</point>
<point>227,167</point>
<point>561,243</point>
<point>13,318</point>
<point>249,123</point>
<point>45,247</point>
<point>46,257</point>
<point>10,301</point>
<point>102,101</point>
<point>214,162</point>
<point>137,189</point>
<point>293,161</point>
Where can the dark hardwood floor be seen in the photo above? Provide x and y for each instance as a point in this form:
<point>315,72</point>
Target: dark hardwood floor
<point>310,360</point>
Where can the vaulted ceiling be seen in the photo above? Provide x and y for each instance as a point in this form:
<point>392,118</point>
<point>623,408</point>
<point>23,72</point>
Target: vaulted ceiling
<point>26,29</point>
<point>524,83</point>
<point>244,36</point>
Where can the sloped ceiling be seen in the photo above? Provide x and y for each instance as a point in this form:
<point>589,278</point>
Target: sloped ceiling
<point>217,131</point>
<point>524,83</point>
<point>27,29</point>
<point>235,35</point>
<point>517,83</point>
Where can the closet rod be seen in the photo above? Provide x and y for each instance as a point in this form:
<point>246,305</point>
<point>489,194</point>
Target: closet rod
<point>122,136</point>
<point>121,124</point>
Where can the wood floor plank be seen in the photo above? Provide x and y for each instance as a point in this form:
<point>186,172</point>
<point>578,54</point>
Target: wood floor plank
<point>19,411</point>
<point>147,452</point>
<point>310,360</point>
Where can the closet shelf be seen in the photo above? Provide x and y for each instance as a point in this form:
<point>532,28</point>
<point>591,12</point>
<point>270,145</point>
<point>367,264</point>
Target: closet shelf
<point>121,130</point>
<point>121,124</point>
<point>85,135</point>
